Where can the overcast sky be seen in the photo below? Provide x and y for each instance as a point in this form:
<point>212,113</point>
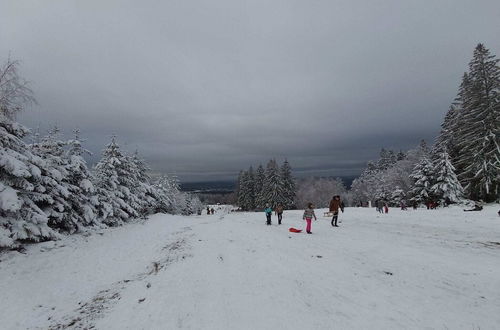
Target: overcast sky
<point>206,88</point>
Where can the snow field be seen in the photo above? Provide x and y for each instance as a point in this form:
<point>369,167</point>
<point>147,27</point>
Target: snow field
<point>418,269</point>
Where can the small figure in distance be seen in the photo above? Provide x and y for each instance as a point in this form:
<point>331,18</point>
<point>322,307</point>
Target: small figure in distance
<point>380,206</point>
<point>308,216</point>
<point>268,211</point>
<point>208,210</point>
<point>279,212</point>
<point>212,211</point>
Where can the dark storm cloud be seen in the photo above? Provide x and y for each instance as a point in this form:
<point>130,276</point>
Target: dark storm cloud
<point>205,88</point>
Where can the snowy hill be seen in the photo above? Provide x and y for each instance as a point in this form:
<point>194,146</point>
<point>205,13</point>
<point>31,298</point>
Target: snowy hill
<point>416,269</point>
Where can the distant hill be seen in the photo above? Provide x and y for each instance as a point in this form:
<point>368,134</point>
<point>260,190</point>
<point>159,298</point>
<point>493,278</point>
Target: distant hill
<point>209,187</point>
<point>225,187</point>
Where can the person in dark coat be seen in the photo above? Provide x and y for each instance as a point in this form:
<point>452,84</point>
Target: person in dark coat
<point>380,206</point>
<point>334,208</point>
<point>279,212</point>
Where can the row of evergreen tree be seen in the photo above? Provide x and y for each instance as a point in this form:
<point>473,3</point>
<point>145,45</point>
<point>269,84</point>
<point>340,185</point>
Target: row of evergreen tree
<point>273,185</point>
<point>46,187</point>
<point>465,160</point>
<point>419,175</point>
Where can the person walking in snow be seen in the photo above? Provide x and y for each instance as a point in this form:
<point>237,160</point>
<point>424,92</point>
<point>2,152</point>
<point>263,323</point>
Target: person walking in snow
<point>334,208</point>
<point>208,210</point>
<point>386,208</point>
<point>308,216</point>
<point>380,206</point>
<point>279,212</point>
<point>269,211</point>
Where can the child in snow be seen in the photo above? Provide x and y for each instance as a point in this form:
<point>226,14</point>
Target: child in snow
<point>308,215</point>
<point>269,211</point>
<point>279,212</point>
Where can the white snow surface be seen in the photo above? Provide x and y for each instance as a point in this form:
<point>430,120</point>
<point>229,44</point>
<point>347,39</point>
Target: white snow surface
<point>423,269</point>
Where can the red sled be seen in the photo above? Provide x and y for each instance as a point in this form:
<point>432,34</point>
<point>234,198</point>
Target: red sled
<point>294,230</point>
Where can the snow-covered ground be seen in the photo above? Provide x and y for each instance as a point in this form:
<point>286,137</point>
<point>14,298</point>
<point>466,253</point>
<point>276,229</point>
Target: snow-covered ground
<point>432,269</point>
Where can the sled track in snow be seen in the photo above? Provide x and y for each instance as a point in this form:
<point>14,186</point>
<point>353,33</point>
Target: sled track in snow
<point>87,313</point>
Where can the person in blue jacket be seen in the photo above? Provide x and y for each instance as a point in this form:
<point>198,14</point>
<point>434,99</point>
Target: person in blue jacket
<point>269,211</point>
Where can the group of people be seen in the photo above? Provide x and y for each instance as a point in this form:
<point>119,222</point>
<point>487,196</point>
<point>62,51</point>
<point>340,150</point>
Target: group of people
<point>278,211</point>
<point>210,210</point>
<point>381,206</point>
<point>336,205</point>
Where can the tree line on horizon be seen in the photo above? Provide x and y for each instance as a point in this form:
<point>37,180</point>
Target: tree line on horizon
<point>47,188</point>
<point>464,161</point>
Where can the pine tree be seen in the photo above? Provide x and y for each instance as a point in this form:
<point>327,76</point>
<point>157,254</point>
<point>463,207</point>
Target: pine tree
<point>21,219</point>
<point>272,191</point>
<point>241,189</point>
<point>144,191</point>
<point>250,189</point>
<point>288,183</point>
<point>55,180</point>
<point>246,197</point>
<point>423,178</point>
<point>112,184</point>
<point>479,159</point>
<point>258,186</point>
<point>447,188</point>
<point>167,189</point>
<point>82,197</point>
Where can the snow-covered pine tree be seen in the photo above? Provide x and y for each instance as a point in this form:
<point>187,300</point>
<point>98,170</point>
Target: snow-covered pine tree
<point>479,159</point>
<point>250,189</point>
<point>241,189</point>
<point>246,198</point>
<point>272,191</point>
<point>20,176</point>
<point>112,185</point>
<point>447,187</point>
<point>259,184</point>
<point>289,186</point>
<point>144,190</point>
<point>82,198</point>
<point>423,178</point>
<point>387,159</point>
<point>167,188</point>
<point>63,214</point>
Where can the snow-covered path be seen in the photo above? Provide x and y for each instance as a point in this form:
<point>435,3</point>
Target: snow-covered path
<point>417,269</point>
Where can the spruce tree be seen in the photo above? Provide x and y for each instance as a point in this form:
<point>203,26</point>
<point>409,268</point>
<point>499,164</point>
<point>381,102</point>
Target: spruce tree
<point>288,183</point>
<point>21,187</point>
<point>240,190</point>
<point>423,178</point>
<point>479,159</point>
<point>55,180</point>
<point>447,188</point>
<point>82,198</point>
<point>258,186</point>
<point>272,192</point>
<point>113,186</point>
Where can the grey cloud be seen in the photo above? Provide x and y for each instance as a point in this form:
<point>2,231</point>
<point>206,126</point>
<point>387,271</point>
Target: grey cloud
<point>205,88</point>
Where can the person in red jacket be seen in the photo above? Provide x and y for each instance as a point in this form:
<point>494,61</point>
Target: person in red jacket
<point>334,208</point>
